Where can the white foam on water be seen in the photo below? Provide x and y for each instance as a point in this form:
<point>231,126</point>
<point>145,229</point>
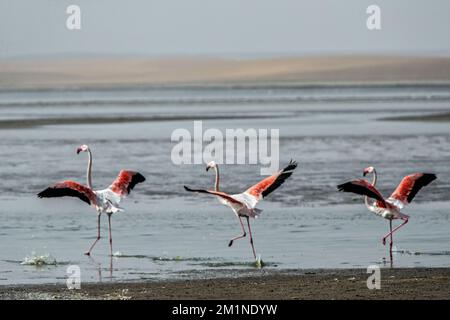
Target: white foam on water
<point>258,262</point>
<point>39,260</point>
<point>117,254</point>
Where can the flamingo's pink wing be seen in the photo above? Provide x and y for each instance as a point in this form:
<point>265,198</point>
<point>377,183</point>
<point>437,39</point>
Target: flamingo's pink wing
<point>269,184</point>
<point>70,189</point>
<point>410,185</point>
<point>363,187</point>
<point>125,182</point>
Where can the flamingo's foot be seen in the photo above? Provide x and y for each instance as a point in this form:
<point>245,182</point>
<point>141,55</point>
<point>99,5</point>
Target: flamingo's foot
<point>230,243</point>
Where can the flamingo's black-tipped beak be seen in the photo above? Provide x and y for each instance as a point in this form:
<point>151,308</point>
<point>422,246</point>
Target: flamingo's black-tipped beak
<point>207,168</point>
<point>366,171</point>
<point>79,150</point>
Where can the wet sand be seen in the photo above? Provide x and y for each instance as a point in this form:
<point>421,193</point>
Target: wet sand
<point>30,123</point>
<point>414,283</point>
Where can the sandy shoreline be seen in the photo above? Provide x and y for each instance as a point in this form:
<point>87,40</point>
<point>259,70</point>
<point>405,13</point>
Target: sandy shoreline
<point>414,283</point>
<point>439,117</point>
<point>107,72</point>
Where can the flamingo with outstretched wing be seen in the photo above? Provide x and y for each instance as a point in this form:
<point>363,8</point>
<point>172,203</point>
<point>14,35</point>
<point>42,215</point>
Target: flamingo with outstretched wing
<point>244,204</point>
<point>389,208</point>
<point>103,201</point>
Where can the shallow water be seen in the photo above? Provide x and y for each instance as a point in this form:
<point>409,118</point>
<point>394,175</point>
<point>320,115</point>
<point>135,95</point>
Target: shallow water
<point>168,233</point>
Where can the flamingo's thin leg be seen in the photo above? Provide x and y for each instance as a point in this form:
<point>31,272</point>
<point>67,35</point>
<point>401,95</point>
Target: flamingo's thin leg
<point>405,221</point>
<point>392,240</point>
<point>99,268</point>
<point>238,237</point>
<point>110,235</point>
<point>111,267</point>
<point>251,238</point>
<point>88,253</point>
<point>391,243</point>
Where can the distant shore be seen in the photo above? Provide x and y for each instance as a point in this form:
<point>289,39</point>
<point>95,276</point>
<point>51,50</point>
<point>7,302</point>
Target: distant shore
<point>396,284</point>
<point>30,123</point>
<point>436,117</point>
<point>107,72</point>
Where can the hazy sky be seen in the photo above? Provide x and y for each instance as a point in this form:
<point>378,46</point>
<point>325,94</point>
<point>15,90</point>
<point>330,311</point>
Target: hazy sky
<point>213,27</point>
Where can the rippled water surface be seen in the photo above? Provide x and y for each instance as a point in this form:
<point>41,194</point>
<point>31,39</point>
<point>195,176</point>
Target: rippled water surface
<point>168,233</point>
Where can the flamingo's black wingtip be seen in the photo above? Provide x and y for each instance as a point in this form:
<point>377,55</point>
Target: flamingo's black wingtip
<point>292,165</point>
<point>43,193</point>
<point>140,177</point>
<point>341,187</point>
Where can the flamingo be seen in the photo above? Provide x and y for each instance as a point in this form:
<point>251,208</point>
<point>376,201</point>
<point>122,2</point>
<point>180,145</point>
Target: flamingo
<point>244,204</point>
<point>103,201</point>
<point>391,207</point>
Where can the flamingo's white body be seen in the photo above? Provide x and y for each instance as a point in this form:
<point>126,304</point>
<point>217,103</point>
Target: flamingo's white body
<point>391,207</point>
<point>244,204</point>
<point>103,201</point>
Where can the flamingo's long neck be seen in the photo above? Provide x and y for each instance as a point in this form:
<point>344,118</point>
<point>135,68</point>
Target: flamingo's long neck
<point>216,185</point>
<point>374,179</point>
<point>89,170</point>
<point>374,182</point>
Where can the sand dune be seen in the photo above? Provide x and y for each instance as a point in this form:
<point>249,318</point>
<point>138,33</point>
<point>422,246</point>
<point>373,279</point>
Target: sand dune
<point>115,72</point>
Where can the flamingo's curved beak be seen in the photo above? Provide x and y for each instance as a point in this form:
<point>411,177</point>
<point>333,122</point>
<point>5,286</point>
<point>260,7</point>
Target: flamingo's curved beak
<point>79,150</point>
<point>207,168</point>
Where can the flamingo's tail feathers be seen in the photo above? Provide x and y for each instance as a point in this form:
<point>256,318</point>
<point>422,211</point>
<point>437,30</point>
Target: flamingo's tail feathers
<point>256,212</point>
<point>119,209</point>
<point>114,209</point>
